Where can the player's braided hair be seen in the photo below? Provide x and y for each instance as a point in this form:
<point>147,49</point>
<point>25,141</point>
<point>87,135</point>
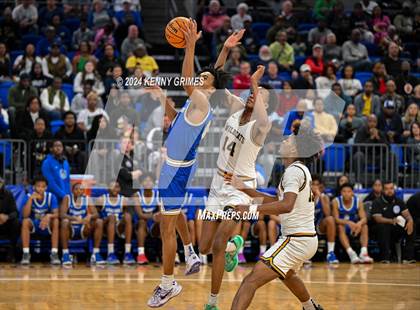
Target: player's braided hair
<point>221,77</point>
<point>309,144</point>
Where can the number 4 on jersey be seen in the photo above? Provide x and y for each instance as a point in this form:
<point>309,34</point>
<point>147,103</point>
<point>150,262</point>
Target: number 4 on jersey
<point>230,147</point>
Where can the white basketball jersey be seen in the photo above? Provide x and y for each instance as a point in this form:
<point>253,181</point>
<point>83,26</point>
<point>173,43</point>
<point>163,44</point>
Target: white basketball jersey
<point>297,179</point>
<point>238,152</point>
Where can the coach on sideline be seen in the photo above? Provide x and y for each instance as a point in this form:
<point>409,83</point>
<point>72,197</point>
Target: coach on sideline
<point>9,223</point>
<point>56,169</point>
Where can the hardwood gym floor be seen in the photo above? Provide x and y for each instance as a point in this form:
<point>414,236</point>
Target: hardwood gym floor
<point>345,287</point>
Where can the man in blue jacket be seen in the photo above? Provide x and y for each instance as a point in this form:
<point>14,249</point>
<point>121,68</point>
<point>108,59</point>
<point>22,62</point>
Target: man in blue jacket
<point>56,170</point>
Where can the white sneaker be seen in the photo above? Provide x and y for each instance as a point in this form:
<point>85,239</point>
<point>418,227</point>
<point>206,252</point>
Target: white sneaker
<point>354,259</point>
<point>161,296</point>
<point>365,259</point>
<point>192,264</point>
<point>203,259</point>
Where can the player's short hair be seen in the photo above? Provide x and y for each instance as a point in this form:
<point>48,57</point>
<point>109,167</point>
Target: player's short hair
<point>348,185</point>
<point>39,178</point>
<point>221,77</point>
<point>388,182</point>
<point>308,143</point>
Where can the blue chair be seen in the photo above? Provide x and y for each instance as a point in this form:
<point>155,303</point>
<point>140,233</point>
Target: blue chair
<point>14,55</point>
<point>4,93</point>
<point>417,75</point>
<point>71,54</point>
<point>68,89</point>
<point>306,26</point>
<point>252,57</point>
<point>6,150</point>
<point>260,29</point>
<point>371,47</point>
<point>363,76</point>
<point>398,152</point>
<point>334,159</point>
<point>72,23</point>
<point>30,38</point>
<point>299,60</point>
<point>55,125</point>
<point>285,76</point>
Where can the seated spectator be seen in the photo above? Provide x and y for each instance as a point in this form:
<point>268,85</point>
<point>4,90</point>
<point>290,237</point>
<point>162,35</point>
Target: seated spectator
<point>305,79</point>
<point>143,60</point>
<point>5,73</point>
<point>367,102</point>
<point>24,63</point>
<point>250,39</point>
<point>414,141</point>
<point>349,125</point>
<point>415,97</point>
<point>370,133</point>
<point>62,31</point>
<point>279,26</point>
<point>374,194</point>
<point>264,57</point>
<point>98,17</point>
<point>83,33</point>
<point>294,115</point>
<point>393,223</point>
<point>287,99</point>
<point>38,79</point>
<point>351,219</point>
<point>325,81</point>
<point>378,19</point>
<point>243,79</point>
<point>38,144</point>
<point>233,63</point>
<point>316,61</point>
<point>368,6</point>
<point>379,78</point>
<point>82,57</point>
<point>299,46</point>
<point>9,30</point>
<point>322,8</point>
<point>125,109</point>
<point>237,20</point>
<point>360,20</point>
<point>324,123</point>
<point>318,35</point>
<point>412,115</point>
<point>118,5</point>
<point>54,100</point>
<point>392,60</point>
<point>9,220</point>
<point>332,52</point>
<point>351,86</point>
<point>85,117</point>
<point>25,120</point>
<point>389,122</point>
<point>43,46</point>
<point>130,42</point>
<point>339,22</point>
<point>333,102</point>
<point>103,37</point>
<point>47,13</point>
<point>282,52</point>
<point>26,16</point>
<point>404,21</point>
<point>392,95</point>
<point>290,20</point>
<point>127,16</point>
<point>223,33</point>
<point>355,53</point>
<point>107,62</point>
<point>156,117</point>
<point>74,143</point>
<point>272,76</point>
<point>79,101</point>
<point>405,80</point>
<point>89,73</point>
<point>213,19</point>
<point>111,81</point>
<point>56,64</point>
<point>20,93</point>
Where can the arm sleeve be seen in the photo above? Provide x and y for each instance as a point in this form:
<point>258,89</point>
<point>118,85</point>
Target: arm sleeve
<point>293,179</point>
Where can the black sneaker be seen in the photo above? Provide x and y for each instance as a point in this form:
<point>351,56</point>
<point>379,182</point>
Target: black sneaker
<point>55,260</point>
<point>26,259</point>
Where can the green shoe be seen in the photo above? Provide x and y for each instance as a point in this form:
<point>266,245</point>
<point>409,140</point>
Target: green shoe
<point>209,307</point>
<point>231,258</point>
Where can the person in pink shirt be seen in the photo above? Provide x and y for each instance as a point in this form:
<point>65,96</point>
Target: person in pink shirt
<point>243,79</point>
<point>379,19</point>
<point>214,18</point>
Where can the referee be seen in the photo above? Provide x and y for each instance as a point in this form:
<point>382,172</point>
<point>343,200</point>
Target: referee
<point>388,211</point>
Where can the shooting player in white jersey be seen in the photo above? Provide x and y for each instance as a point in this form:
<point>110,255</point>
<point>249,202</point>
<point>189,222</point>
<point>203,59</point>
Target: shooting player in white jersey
<point>295,204</point>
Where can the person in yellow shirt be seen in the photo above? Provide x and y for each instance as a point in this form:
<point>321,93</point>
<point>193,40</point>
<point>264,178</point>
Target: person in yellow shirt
<point>324,123</point>
<point>141,59</point>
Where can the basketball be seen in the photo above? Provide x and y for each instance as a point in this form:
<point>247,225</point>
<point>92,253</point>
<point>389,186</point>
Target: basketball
<point>173,31</point>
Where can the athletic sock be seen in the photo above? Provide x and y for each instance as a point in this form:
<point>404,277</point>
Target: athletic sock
<point>167,281</point>
<point>54,250</point>
<point>309,304</point>
<point>263,248</point>
<point>95,250</point>
<point>65,251</point>
<point>363,250</point>
<point>110,248</point>
<point>127,248</point>
<point>140,250</point>
<point>230,247</point>
<point>331,246</point>
<point>188,250</point>
<point>213,299</point>
<point>26,250</point>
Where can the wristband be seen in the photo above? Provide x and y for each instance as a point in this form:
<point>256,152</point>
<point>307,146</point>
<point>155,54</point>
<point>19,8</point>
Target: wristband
<point>253,208</point>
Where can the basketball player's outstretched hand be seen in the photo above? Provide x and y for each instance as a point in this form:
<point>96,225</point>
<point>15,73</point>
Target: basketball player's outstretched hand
<point>234,39</point>
<point>190,33</point>
<point>235,182</point>
<point>258,74</point>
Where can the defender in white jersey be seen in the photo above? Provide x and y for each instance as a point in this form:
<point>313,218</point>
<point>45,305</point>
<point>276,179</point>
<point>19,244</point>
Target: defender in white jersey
<point>295,203</point>
<point>242,139</point>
